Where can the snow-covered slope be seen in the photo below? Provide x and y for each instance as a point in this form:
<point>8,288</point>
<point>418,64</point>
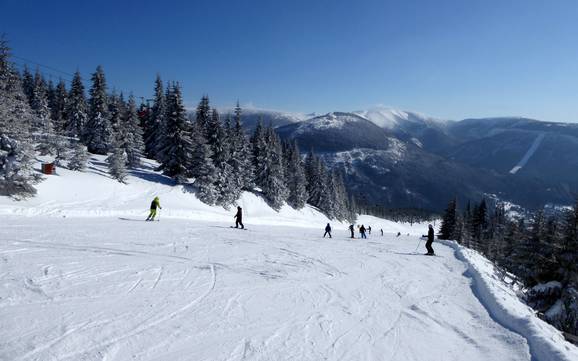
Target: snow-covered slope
<point>93,193</point>
<point>93,286</point>
<point>107,289</point>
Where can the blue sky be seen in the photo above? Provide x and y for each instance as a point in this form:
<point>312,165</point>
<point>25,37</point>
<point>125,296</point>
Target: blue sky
<point>447,58</point>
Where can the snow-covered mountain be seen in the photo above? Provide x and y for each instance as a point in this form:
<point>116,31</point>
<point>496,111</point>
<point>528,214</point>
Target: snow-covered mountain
<point>404,159</point>
<point>336,132</point>
<point>524,148</point>
<point>525,161</point>
<point>392,119</point>
<point>250,116</point>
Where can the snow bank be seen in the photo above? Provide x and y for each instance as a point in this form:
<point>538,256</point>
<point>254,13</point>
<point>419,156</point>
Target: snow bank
<point>545,341</point>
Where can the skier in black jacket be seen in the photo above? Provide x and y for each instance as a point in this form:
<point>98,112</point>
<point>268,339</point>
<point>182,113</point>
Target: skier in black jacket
<point>362,231</point>
<point>327,231</point>
<point>351,229</point>
<point>430,239</point>
<point>239,218</point>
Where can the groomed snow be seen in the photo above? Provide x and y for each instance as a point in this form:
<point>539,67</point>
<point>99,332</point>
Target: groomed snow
<point>79,283</point>
<point>108,289</point>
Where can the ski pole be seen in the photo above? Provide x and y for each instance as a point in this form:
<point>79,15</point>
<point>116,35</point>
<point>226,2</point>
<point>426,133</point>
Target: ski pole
<point>418,243</point>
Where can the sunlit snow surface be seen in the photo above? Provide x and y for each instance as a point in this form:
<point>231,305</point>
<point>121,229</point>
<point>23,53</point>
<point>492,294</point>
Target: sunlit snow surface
<point>104,288</point>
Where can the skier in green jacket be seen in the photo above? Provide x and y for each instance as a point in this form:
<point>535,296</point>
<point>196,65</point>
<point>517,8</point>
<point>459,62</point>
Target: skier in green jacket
<point>154,204</point>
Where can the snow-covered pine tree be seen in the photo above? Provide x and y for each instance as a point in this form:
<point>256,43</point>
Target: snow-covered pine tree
<point>296,180</point>
<point>448,224</point>
<point>241,155</point>
<point>155,128</point>
<point>203,169</point>
<point>317,183</point>
<point>16,155</point>
<point>342,211</point>
<point>97,131</point>
<point>50,95</point>
<point>567,255</point>
<point>274,187</point>
<point>259,147</point>
<point>133,142</point>
<point>313,178</point>
<point>58,107</point>
<point>220,145</point>
<point>203,116</point>
<point>28,84</point>
<point>325,201</point>
<point>479,224</point>
<point>177,143</point>
<point>40,104</point>
<point>79,157</point>
<point>116,113</point>
<point>513,235</point>
<point>116,161</point>
<point>76,108</point>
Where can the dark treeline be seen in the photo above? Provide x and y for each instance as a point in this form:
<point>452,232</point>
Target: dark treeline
<point>541,253</point>
<point>205,150</point>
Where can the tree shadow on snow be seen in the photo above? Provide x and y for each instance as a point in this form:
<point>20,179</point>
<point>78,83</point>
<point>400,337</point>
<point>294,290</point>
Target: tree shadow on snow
<point>152,177</point>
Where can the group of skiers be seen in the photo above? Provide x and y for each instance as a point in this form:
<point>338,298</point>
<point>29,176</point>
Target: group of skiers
<point>362,231</point>
<point>239,222</point>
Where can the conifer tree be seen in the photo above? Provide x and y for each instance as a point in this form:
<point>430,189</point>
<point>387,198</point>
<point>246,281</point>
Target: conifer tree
<point>116,113</point>
<point>296,180</point>
<point>241,155</point>
<point>16,173</point>
<point>568,247</point>
<point>154,131</point>
<point>76,108</point>
<point>203,116</point>
<point>221,155</point>
<point>447,228</point>
<point>40,104</point>
<point>50,95</point>
<point>322,189</point>
<point>177,144</point>
<point>317,183</point>
<point>259,147</point>
<point>341,200</point>
<point>58,107</point>
<point>98,131</point>
<point>28,85</point>
<point>117,161</point>
<point>273,186</point>
<point>79,157</point>
<point>133,141</point>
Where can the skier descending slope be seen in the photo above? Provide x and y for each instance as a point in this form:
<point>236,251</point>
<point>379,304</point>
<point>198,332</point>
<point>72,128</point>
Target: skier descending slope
<point>239,218</point>
<point>430,239</point>
<point>327,231</point>
<point>154,204</point>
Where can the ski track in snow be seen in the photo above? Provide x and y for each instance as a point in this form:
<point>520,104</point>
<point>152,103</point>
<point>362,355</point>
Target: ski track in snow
<point>529,153</point>
<point>179,290</point>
